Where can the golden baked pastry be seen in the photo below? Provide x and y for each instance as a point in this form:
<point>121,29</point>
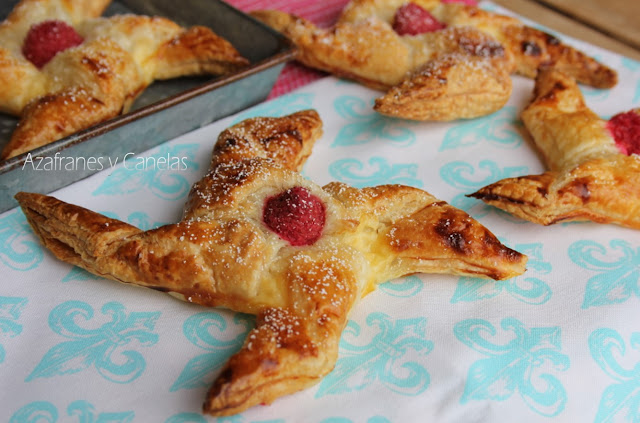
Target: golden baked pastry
<point>460,68</point>
<point>102,66</point>
<point>257,237</point>
<point>594,164</point>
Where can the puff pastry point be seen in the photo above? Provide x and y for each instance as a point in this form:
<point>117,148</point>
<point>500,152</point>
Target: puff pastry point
<point>435,60</point>
<point>259,238</point>
<point>594,164</point>
<point>101,65</point>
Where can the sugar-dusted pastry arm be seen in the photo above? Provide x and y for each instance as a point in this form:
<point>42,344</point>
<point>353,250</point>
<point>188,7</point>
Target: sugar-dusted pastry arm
<point>416,232</point>
<point>258,237</point>
<point>197,51</point>
<point>187,260</point>
<point>72,233</point>
<point>477,75</point>
<point>589,177</point>
<point>295,346</point>
<point>163,49</point>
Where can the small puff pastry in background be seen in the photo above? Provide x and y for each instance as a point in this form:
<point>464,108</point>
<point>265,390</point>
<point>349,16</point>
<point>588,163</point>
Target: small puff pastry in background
<point>594,166</point>
<point>257,237</point>
<point>460,68</point>
<point>118,57</point>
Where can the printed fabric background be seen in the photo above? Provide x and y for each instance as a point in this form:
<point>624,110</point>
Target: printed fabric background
<point>560,343</point>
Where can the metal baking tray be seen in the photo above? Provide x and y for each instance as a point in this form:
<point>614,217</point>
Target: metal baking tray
<point>166,109</point>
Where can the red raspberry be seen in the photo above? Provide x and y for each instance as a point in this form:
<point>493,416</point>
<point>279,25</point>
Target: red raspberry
<point>46,39</point>
<point>296,215</point>
<point>411,19</point>
<point>625,129</point>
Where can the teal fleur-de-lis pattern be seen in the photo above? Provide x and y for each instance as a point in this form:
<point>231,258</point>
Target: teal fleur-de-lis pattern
<point>113,349</point>
<point>19,248</point>
<point>515,366</point>
<point>406,287</point>
<point>528,288</point>
<point>162,173</point>
<point>468,178</point>
<point>633,65</point>
<point>367,126</point>
<point>280,106</point>
<point>500,129</point>
<point>205,331</point>
<point>621,362</point>
<point>594,93</point>
<point>78,412</point>
<point>617,268</point>
<point>377,171</point>
<point>559,343</point>
<point>187,418</point>
<point>78,274</point>
<point>198,418</point>
<point>383,360</point>
<point>11,308</point>
<point>374,419</point>
<point>37,411</point>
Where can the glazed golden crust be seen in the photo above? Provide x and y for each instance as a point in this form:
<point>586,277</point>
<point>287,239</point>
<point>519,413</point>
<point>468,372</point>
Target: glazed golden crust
<point>223,254</point>
<point>100,78</point>
<point>461,71</point>
<point>589,179</point>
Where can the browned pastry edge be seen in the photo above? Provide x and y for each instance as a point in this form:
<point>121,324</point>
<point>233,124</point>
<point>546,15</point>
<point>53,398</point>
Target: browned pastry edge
<point>589,179</point>
<point>601,191</point>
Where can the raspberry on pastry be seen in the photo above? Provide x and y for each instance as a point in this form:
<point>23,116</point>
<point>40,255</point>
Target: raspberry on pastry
<point>411,19</point>
<point>64,69</point>
<point>625,130</point>
<point>46,39</point>
<point>257,237</point>
<point>435,60</point>
<point>296,215</point>
<point>594,164</point>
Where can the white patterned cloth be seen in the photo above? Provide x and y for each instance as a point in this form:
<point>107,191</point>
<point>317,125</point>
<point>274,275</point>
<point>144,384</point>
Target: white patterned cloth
<point>560,343</point>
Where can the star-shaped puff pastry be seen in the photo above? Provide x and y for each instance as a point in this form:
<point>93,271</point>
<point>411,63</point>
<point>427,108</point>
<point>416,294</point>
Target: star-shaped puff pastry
<point>461,69</point>
<point>589,176</point>
<point>259,238</point>
<point>100,78</point>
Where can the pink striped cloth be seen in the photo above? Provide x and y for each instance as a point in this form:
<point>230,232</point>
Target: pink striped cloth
<point>322,13</point>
